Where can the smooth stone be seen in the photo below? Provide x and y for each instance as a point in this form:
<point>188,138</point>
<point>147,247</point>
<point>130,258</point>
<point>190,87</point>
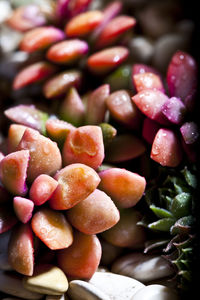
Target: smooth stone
<point>10,39</point>
<point>155,292</point>
<point>5,10</point>
<point>4,240</point>
<point>165,47</point>
<point>57,297</point>
<point>96,5</point>
<point>12,284</point>
<point>4,263</point>
<point>47,279</point>
<point>141,49</point>
<point>158,18</point>
<point>11,299</point>
<point>143,267</point>
<point>109,253</point>
<point>185,26</point>
<point>12,63</point>
<point>82,290</point>
<point>117,287</point>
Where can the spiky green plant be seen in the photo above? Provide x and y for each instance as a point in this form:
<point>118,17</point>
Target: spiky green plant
<point>170,198</point>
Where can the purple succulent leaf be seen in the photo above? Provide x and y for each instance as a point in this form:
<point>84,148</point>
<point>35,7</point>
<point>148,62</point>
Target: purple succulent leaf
<point>190,132</point>
<point>174,110</point>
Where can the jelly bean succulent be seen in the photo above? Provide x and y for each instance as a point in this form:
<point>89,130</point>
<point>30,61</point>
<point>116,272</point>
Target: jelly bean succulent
<point>106,156</point>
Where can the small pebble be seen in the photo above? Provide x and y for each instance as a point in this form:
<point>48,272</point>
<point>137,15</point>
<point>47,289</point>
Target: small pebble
<point>185,26</point>
<point>165,47</point>
<point>81,290</point>
<point>158,17</point>
<point>109,253</point>
<point>10,39</point>
<point>11,284</point>
<point>11,299</point>
<point>117,287</point>
<point>47,279</point>
<point>155,292</point>
<point>144,268</point>
<point>141,49</point>
<point>4,239</point>
<point>57,297</point>
<point>5,10</point>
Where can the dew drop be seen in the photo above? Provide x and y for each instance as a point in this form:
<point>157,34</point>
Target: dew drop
<point>43,231</point>
<point>155,150</point>
<point>45,149</point>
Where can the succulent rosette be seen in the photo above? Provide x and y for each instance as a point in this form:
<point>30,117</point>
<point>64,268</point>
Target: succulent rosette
<point>98,168</point>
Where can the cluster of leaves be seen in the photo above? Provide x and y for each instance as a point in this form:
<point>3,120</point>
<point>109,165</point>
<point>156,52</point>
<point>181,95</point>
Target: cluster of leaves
<point>171,200</point>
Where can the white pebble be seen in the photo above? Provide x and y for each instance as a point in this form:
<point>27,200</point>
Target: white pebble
<point>12,284</point>
<point>141,49</point>
<point>117,287</point>
<point>155,292</point>
<point>143,267</point>
<point>165,47</point>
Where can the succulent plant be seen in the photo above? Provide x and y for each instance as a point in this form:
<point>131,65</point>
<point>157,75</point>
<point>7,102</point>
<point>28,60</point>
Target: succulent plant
<point>171,199</point>
<point>103,155</point>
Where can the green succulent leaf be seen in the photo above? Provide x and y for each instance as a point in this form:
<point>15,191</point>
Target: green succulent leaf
<point>183,225</point>
<point>120,78</point>
<point>149,195</point>
<point>181,205</point>
<point>161,212</point>
<point>162,224</point>
<point>144,222</point>
<point>186,275</point>
<point>109,132</point>
<point>189,177</point>
<point>179,185</point>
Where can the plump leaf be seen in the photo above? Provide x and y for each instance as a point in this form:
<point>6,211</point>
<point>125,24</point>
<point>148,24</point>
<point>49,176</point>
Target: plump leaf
<point>189,177</point>
<point>109,132</point>
<point>120,78</point>
<point>162,224</point>
<point>161,212</point>
<point>28,115</point>
<point>183,225</point>
<point>181,205</point>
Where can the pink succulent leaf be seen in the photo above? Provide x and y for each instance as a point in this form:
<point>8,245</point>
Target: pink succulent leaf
<point>28,115</point>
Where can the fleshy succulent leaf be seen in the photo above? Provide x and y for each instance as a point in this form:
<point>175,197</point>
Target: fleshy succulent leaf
<point>181,205</point>
<point>189,177</point>
<point>182,225</point>
<point>162,224</point>
<point>161,212</point>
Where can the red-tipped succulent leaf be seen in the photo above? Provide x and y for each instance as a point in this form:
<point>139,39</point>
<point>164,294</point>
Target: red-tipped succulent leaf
<point>21,250</point>
<point>40,38</point>
<point>166,149</point>
<point>45,157</point>
<point>13,171</point>
<point>84,145</point>
<point>124,187</point>
<point>84,23</point>
<point>42,189</point>
<point>75,183</point>
<point>23,208</point>
<point>68,51</point>
<point>52,228</point>
<point>106,60</point>
<point>33,73</point>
